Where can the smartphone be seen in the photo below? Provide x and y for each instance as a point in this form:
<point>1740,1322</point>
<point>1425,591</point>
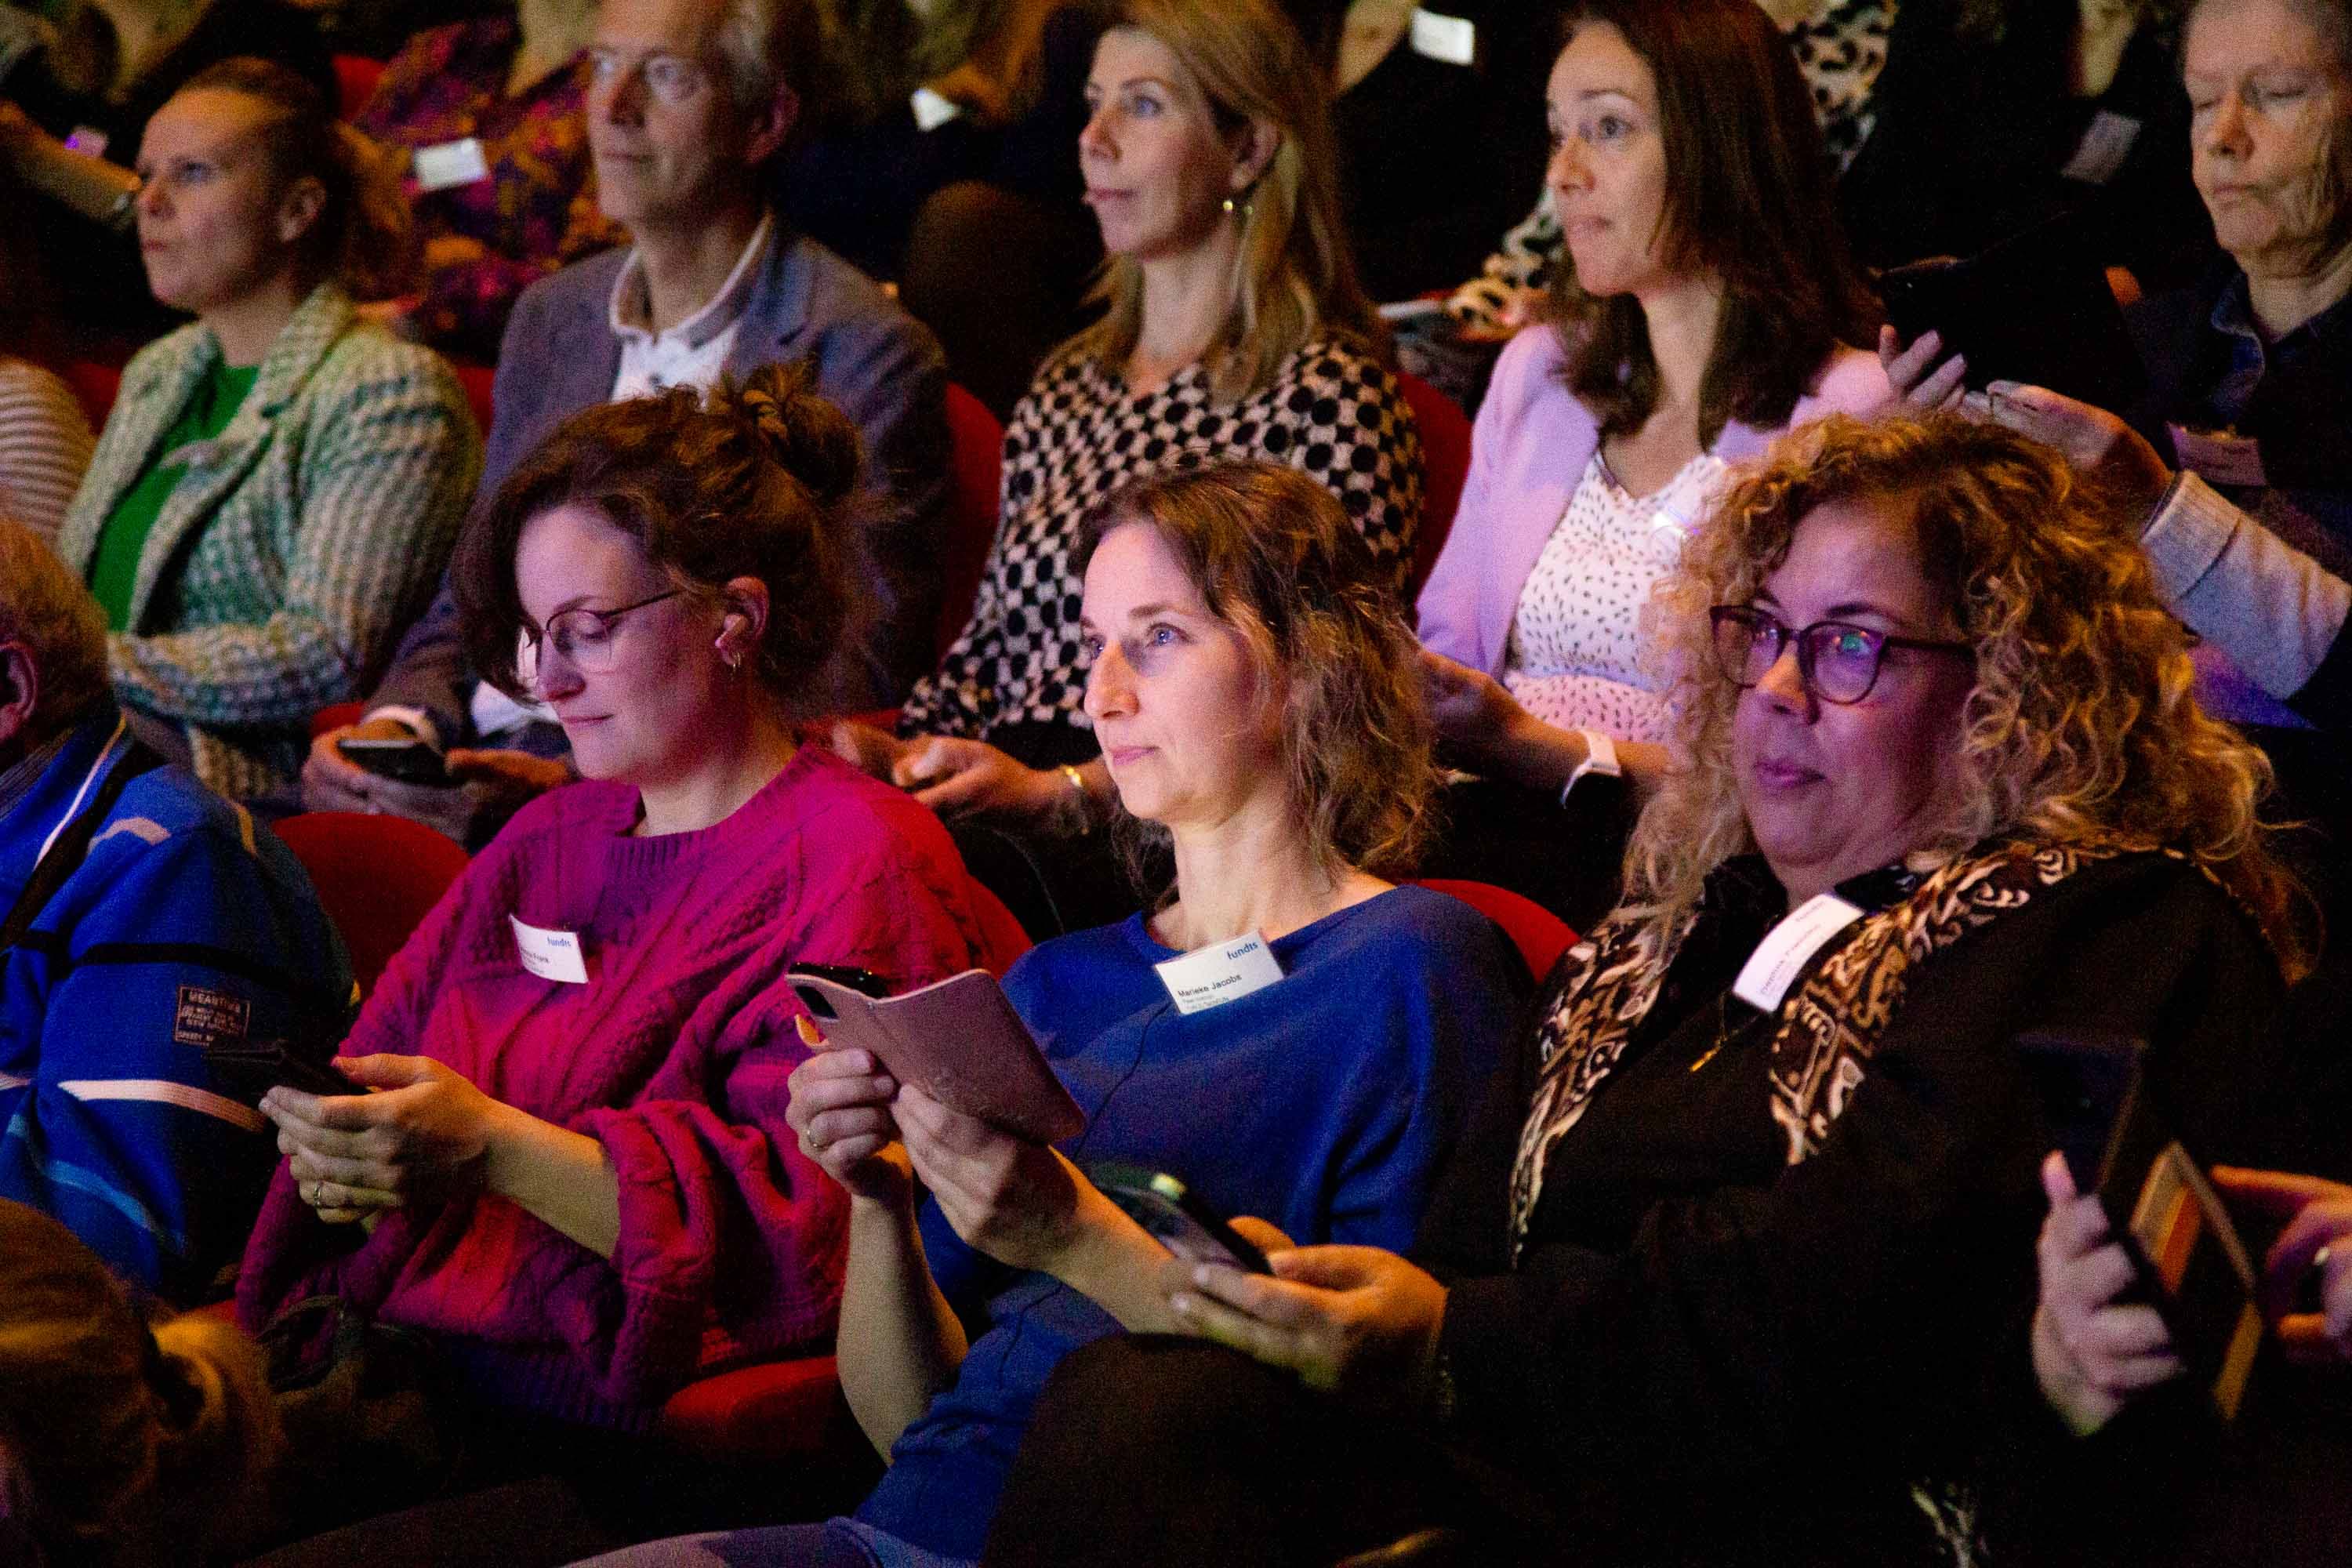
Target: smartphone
<point>2193,1266</point>
<point>958,1041</point>
<point>1178,1217</point>
<point>252,1069</point>
<point>2034,309</point>
<point>405,758</point>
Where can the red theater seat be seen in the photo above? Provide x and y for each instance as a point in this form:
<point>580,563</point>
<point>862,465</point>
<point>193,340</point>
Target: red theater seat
<point>1444,467</point>
<point>1541,935</point>
<point>378,876</point>
<point>978,450</point>
<point>477,380</point>
<point>355,80</point>
<point>95,385</point>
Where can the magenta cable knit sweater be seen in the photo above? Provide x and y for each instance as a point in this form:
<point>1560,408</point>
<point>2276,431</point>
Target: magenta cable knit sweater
<point>674,1057</point>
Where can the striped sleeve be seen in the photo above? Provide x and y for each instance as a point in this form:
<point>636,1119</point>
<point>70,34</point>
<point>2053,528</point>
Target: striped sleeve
<point>44,446</point>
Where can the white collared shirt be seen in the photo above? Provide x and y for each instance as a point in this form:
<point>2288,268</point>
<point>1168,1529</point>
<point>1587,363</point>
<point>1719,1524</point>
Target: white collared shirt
<point>693,352</point>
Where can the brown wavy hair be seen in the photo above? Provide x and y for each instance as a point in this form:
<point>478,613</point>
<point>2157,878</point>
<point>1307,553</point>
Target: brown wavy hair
<point>1748,201</point>
<point>2082,720</point>
<point>137,1445</point>
<point>1295,280</point>
<point>1275,556</point>
<point>762,479</point>
<point>363,238</point>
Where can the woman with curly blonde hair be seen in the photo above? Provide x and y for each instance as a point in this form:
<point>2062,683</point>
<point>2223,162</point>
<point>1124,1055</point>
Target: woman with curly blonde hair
<point>1738,1267</point>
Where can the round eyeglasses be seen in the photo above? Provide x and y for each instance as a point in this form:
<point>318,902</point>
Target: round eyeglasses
<point>1837,661</point>
<point>585,640</point>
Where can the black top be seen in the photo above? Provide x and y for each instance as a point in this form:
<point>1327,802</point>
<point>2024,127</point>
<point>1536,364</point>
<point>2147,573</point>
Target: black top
<point>1706,1352</point>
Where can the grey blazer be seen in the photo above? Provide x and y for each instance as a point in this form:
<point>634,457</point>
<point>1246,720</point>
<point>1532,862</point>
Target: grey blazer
<point>879,364</point>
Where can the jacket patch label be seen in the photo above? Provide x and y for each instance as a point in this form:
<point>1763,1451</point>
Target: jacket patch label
<point>207,1017</point>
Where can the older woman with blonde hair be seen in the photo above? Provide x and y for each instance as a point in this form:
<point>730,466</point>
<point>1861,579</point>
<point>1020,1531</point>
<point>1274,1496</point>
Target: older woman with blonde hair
<point>1233,328</point>
<point>1734,1265</point>
<point>1256,691</point>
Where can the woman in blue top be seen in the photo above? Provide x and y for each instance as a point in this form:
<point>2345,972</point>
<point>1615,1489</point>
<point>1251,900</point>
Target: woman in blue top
<point>1256,692</point>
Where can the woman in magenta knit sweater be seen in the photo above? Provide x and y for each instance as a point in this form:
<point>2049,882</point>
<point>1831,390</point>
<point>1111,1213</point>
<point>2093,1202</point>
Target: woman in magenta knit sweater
<point>573,1171</point>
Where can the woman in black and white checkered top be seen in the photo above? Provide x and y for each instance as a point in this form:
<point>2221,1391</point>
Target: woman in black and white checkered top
<point>1235,329</point>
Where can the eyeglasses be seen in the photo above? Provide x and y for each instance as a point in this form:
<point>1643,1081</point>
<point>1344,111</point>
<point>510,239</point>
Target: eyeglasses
<point>669,78</point>
<point>583,637</point>
<point>1838,661</point>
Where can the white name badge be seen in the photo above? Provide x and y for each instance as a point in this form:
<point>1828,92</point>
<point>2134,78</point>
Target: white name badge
<point>448,163</point>
<point>550,955</point>
<point>2218,458</point>
<point>1781,956</point>
<point>1220,972</point>
<point>931,111</point>
<point>2099,155</point>
<point>1452,39</point>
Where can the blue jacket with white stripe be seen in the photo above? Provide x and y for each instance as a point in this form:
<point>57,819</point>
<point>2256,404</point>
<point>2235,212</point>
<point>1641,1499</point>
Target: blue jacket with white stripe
<point>187,929</point>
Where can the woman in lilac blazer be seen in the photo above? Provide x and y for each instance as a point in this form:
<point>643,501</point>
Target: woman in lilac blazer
<point>1706,304</point>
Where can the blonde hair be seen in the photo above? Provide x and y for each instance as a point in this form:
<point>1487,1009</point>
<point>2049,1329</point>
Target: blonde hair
<point>137,1445</point>
<point>2082,720</point>
<point>47,608</point>
<point>1295,277</point>
<point>1276,557</point>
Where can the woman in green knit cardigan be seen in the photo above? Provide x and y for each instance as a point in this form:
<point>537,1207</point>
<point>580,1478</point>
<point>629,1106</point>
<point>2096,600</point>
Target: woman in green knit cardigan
<point>282,481</point>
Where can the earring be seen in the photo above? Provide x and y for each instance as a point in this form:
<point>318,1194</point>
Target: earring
<point>1229,203</point>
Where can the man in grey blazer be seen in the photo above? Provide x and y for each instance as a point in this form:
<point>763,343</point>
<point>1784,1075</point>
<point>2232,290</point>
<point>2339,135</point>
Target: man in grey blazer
<point>684,108</point>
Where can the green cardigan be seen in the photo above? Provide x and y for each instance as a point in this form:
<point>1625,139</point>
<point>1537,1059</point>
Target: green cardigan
<point>296,548</point>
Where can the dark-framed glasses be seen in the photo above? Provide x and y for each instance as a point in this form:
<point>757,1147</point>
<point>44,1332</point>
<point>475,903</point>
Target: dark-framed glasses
<point>1838,661</point>
<point>588,640</point>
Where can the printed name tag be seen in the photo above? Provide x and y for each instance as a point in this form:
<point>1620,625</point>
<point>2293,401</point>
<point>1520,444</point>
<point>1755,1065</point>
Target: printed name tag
<point>2218,458</point>
<point>931,111</point>
<point>550,955</point>
<point>1220,972</point>
<point>1452,39</point>
<point>448,163</point>
<point>1781,956</point>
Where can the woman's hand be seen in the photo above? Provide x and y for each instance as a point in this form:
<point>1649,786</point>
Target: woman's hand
<point>424,1133</point>
<point>1915,376</point>
<point>492,785</point>
<point>2317,1241</point>
<point>2100,445</point>
<point>960,778</point>
<point>1020,1202</point>
<point>1354,1320</point>
<point>2091,1353</point>
<point>841,1112</point>
<point>872,752</point>
<point>1473,711</point>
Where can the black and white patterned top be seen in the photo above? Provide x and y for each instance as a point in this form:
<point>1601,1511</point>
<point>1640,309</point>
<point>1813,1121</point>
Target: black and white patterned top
<point>1840,49</point>
<point>1077,435</point>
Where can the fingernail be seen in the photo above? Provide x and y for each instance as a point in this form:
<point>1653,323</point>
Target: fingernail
<point>1180,1305</point>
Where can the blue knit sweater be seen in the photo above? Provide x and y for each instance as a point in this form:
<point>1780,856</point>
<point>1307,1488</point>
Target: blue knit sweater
<point>1324,1103</point>
<point>185,928</point>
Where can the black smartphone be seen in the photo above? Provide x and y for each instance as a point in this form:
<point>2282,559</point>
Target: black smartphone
<point>2193,1266</point>
<point>250,1069</point>
<point>405,758</point>
<point>864,981</point>
<point>2035,309</point>
<point>1177,1216</point>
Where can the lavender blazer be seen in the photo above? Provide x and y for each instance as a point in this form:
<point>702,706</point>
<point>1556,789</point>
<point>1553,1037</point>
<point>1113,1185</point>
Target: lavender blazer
<point>1527,452</point>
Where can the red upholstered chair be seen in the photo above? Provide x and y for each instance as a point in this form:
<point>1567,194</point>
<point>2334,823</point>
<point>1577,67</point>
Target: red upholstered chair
<point>1444,467</point>
<point>1542,936</point>
<point>95,385</point>
<point>355,80</point>
<point>378,876</point>
<point>978,451</point>
<point>477,380</point>
<point>335,718</point>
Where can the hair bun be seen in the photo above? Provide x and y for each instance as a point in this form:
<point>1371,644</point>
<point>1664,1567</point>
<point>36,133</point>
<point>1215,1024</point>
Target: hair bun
<point>803,434</point>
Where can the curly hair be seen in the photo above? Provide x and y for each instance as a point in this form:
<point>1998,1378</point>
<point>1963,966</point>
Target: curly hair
<point>2082,719</point>
<point>1274,555</point>
<point>1748,201</point>
<point>762,480</point>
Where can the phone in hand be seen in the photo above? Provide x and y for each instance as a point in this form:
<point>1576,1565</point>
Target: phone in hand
<point>1179,1219</point>
<point>2193,1266</point>
<point>407,759</point>
<point>249,1069</point>
<point>2036,308</point>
